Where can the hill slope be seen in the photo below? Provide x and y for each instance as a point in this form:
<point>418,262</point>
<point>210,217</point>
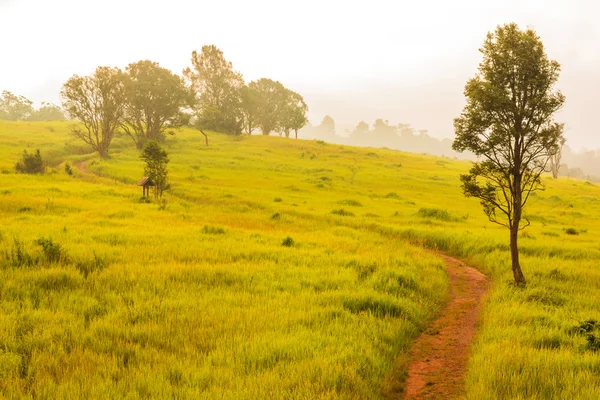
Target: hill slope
<point>199,297</point>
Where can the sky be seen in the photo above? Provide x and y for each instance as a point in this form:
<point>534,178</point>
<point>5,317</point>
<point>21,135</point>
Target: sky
<point>404,61</point>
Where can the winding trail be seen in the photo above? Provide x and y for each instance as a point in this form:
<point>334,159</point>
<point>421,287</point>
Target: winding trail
<point>440,354</point>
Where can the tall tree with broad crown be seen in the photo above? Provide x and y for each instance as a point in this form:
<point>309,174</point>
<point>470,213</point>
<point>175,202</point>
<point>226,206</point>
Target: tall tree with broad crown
<point>508,123</point>
<point>98,102</point>
<point>217,87</point>
<point>155,102</point>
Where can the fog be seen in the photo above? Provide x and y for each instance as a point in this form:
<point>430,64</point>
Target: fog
<point>405,62</point>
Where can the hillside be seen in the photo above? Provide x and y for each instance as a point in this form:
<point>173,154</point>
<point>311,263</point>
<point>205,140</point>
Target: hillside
<point>206,295</point>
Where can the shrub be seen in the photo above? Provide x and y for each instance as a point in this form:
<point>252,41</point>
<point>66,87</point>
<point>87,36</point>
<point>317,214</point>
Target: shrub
<point>352,203</point>
<point>343,213</point>
<point>288,242</point>
<point>437,213</point>
<point>53,252</point>
<point>18,256</point>
<point>276,216</point>
<point>31,163</point>
<point>96,264</point>
<point>277,200</point>
<point>68,169</point>
<point>571,231</point>
<point>213,230</point>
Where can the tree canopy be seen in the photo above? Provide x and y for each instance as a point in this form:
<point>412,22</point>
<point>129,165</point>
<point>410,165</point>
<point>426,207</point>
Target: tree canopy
<point>217,87</point>
<point>14,107</point>
<point>98,102</point>
<point>508,123</point>
<point>154,102</point>
<point>156,159</point>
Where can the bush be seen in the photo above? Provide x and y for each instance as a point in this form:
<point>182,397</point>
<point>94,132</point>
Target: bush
<point>53,252</point>
<point>571,231</point>
<point>213,230</point>
<point>31,163</point>
<point>277,200</point>
<point>98,263</point>
<point>19,257</point>
<point>437,213</point>
<point>343,213</point>
<point>288,242</point>
<point>276,216</point>
<point>68,169</point>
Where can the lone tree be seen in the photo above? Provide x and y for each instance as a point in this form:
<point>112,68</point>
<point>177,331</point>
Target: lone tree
<point>97,101</point>
<point>155,100</point>
<point>508,123</point>
<point>156,167</point>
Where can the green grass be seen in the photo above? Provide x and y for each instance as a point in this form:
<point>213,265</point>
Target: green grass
<point>276,269</point>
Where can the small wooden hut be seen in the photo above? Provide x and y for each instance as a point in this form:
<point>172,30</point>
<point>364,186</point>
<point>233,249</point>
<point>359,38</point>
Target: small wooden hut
<point>145,183</point>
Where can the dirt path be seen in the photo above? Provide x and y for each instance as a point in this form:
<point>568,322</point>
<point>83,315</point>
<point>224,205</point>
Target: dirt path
<point>82,166</point>
<point>439,356</point>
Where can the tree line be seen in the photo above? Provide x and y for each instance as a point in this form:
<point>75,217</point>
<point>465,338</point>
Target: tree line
<point>149,102</point>
<point>19,108</point>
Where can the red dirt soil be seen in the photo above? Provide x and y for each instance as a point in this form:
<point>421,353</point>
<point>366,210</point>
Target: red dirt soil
<point>439,356</point>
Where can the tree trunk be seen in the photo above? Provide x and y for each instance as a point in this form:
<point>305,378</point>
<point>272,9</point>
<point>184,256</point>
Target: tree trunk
<point>205,136</point>
<point>514,252</point>
<point>296,132</point>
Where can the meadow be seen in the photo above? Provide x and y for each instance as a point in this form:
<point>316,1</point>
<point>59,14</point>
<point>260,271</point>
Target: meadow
<point>276,268</point>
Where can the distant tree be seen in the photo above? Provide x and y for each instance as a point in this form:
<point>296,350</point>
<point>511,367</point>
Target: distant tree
<point>326,130</point>
<point>97,101</point>
<point>47,112</point>
<point>31,163</point>
<point>15,108</point>
<point>156,167</point>
<point>384,133</point>
<point>249,108</point>
<point>271,97</point>
<point>155,100</point>
<point>217,87</point>
<point>293,113</point>
<point>508,122</point>
<point>555,158</point>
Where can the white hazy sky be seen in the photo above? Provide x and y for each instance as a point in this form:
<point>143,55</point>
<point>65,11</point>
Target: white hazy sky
<point>405,61</point>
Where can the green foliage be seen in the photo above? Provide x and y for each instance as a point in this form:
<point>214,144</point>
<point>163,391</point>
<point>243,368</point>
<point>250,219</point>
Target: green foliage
<point>98,103</point>
<point>156,160</point>
<point>217,87</point>
<point>47,112</point>
<point>96,264</point>
<point>213,230</point>
<point>14,107</point>
<point>154,100</point>
<point>68,169</point>
<point>508,123</point>
<point>288,242</point>
<point>52,252</point>
<point>343,213</point>
<point>437,213</point>
<point>31,163</point>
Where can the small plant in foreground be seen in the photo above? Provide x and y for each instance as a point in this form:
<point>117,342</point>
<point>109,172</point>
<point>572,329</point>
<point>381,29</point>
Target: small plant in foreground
<point>68,169</point>
<point>276,216</point>
<point>571,231</point>
<point>31,163</point>
<point>288,242</point>
<point>53,252</point>
<point>96,264</point>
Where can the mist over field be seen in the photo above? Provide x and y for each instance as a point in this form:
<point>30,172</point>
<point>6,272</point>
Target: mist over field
<point>299,200</point>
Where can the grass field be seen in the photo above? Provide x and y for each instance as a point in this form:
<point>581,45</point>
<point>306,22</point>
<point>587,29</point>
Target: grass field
<point>275,269</point>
